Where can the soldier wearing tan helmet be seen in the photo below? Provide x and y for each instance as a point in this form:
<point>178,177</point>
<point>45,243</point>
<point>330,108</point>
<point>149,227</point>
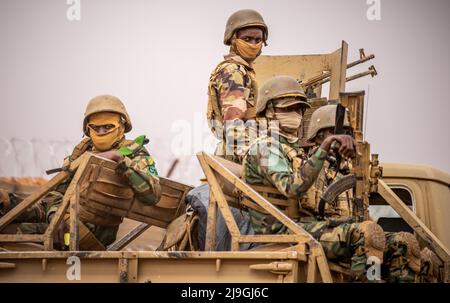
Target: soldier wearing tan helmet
<point>280,162</point>
<point>320,127</point>
<point>232,87</point>
<point>105,123</point>
<point>401,255</point>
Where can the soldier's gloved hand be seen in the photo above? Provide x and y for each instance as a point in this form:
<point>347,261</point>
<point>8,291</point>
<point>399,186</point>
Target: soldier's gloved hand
<point>347,148</point>
<point>113,155</point>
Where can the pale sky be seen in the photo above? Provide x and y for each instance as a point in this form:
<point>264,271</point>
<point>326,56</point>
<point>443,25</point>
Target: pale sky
<point>157,57</point>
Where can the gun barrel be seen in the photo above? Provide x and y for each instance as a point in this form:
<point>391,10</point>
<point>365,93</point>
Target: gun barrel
<point>324,78</point>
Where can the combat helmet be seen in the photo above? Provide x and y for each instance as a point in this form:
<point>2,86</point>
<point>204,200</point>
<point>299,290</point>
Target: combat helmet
<point>106,103</point>
<point>324,117</point>
<point>280,87</point>
<point>241,19</point>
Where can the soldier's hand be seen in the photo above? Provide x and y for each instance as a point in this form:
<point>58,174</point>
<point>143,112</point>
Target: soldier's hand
<point>347,147</point>
<point>111,155</point>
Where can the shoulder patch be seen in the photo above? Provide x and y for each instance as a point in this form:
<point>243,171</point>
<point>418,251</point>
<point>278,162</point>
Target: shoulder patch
<point>151,166</point>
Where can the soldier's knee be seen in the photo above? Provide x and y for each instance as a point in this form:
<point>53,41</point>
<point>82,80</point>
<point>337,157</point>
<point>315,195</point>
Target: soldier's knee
<point>371,238</point>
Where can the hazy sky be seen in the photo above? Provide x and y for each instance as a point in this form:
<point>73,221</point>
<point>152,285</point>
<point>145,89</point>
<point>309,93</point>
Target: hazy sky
<point>157,57</point>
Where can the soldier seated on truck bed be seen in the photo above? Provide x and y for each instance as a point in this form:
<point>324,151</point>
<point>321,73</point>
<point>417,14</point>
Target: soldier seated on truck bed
<point>402,253</point>
<point>105,123</point>
<point>277,160</point>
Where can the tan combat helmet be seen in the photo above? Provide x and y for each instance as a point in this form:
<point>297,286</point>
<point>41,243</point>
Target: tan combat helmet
<point>106,103</point>
<point>324,117</point>
<point>241,19</point>
<point>279,87</point>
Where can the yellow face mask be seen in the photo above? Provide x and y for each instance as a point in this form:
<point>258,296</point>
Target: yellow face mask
<point>105,141</point>
<point>247,51</point>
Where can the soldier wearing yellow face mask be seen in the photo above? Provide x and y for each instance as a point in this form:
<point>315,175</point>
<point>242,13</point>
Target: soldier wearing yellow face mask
<point>105,123</point>
<point>232,87</point>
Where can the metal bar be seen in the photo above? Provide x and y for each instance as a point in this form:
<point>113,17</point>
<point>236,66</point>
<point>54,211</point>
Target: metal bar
<point>123,270</point>
<point>322,79</point>
<point>33,198</point>
<point>21,238</point>
<point>129,237</point>
<point>210,239</point>
<point>219,197</point>
<point>269,239</point>
<point>152,255</point>
<point>56,220</point>
<point>74,229</point>
<point>419,227</point>
<point>267,206</point>
<point>80,166</point>
<point>322,264</point>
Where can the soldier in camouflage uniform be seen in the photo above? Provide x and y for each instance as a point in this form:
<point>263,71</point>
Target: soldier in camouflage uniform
<point>280,162</point>
<point>232,87</point>
<point>402,252</point>
<point>105,123</point>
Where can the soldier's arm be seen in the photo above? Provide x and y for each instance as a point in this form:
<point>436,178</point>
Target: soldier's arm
<point>142,177</point>
<point>233,90</point>
<point>232,87</point>
<point>293,182</point>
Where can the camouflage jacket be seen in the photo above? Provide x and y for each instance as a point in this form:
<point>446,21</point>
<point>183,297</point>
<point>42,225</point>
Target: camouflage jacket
<point>283,165</point>
<point>138,166</point>
<point>232,90</point>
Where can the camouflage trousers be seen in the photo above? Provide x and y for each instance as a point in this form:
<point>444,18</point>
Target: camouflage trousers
<point>354,243</point>
<point>402,259</point>
<point>35,219</point>
<point>351,243</point>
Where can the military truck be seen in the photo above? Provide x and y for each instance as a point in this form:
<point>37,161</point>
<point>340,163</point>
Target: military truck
<point>399,197</point>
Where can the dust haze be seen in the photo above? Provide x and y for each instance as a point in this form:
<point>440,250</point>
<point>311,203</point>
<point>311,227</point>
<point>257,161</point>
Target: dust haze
<point>156,56</point>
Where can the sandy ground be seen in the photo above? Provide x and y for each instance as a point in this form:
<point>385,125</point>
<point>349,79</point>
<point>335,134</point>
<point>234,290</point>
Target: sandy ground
<point>149,240</point>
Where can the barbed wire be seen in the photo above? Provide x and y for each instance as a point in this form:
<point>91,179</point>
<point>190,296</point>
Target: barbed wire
<point>31,158</point>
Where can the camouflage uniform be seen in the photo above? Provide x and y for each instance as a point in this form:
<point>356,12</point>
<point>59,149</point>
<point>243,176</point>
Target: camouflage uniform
<point>280,162</point>
<point>142,176</point>
<point>283,165</point>
<point>233,82</point>
<point>137,166</point>
<point>286,166</point>
<point>401,257</point>
<point>232,92</point>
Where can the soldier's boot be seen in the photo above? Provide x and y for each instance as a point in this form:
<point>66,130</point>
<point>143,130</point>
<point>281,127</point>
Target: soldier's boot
<point>402,258</point>
<point>356,242</point>
<point>429,266</point>
<point>368,242</point>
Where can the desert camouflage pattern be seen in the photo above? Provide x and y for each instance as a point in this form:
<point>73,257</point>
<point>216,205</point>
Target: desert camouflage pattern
<point>138,166</point>
<point>232,90</point>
